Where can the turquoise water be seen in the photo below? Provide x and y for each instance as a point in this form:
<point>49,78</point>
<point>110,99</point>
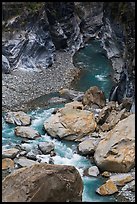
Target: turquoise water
<point>66,153</point>
<point>96,69</point>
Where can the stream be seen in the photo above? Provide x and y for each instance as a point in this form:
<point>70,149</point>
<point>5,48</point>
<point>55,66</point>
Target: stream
<point>96,69</point>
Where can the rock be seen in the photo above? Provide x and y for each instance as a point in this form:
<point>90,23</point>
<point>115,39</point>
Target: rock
<point>71,94</point>
<point>126,103</point>
<point>46,147</point>
<point>18,118</point>
<point>43,183</point>
<point>86,147</point>
<point>24,162</point>
<point>116,152</point>
<point>107,188</point>
<point>106,174</point>
<point>113,118</point>
<point>10,153</point>
<point>5,65</point>
<point>70,122</point>
<point>26,132</point>
<point>103,114</point>
<point>92,171</point>
<point>57,100</point>
<point>94,96</point>
<point>121,179</point>
<point>7,163</point>
<point>33,153</point>
<point>129,186</point>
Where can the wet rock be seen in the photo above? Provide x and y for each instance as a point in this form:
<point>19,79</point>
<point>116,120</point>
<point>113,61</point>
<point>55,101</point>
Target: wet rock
<point>70,122</point>
<point>26,132</point>
<point>62,183</point>
<point>121,179</point>
<point>107,188</point>
<point>18,118</point>
<point>24,162</point>
<point>116,152</point>
<point>10,153</point>
<point>46,147</point>
<point>94,96</point>
<point>86,147</point>
<point>7,163</point>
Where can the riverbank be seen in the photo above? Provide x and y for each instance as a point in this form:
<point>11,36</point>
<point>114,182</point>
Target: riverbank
<point>21,86</point>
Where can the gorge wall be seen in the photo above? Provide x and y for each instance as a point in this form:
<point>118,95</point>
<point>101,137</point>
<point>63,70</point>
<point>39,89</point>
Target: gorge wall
<point>32,32</point>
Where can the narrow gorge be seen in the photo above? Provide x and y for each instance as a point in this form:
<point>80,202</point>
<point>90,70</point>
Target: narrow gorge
<point>68,101</point>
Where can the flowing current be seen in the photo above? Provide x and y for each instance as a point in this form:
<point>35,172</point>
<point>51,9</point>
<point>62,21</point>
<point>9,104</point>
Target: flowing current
<point>96,70</point>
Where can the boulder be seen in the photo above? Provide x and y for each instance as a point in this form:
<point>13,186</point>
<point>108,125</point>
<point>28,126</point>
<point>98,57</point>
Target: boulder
<point>43,183</point>
<point>70,122</point>
<point>107,188</point>
<point>94,96</point>
<point>26,132</point>
<point>116,152</point>
<point>18,118</point>
<point>92,171</point>
<point>46,147</point>
<point>86,147</point>
<point>7,163</point>
<point>121,179</point>
<point>10,153</point>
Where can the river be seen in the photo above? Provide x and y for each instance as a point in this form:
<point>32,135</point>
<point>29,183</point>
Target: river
<point>96,69</point>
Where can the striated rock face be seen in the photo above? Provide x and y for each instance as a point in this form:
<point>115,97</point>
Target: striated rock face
<point>26,132</point>
<point>5,65</point>
<point>70,122</point>
<point>116,152</point>
<point>18,118</point>
<point>94,96</point>
<point>43,183</point>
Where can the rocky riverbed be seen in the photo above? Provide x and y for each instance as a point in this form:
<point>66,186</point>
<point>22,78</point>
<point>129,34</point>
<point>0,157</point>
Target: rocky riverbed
<point>21,86</point>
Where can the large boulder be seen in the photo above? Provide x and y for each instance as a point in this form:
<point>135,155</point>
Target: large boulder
<point>43,183</point>
<point>18,118</point>
<point>116,152</point>
<point>94,96</point>
<point>70,122</point>
<point>26,132</point>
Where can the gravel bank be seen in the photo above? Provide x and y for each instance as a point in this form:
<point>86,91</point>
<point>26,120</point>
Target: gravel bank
<point>21,86</point>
